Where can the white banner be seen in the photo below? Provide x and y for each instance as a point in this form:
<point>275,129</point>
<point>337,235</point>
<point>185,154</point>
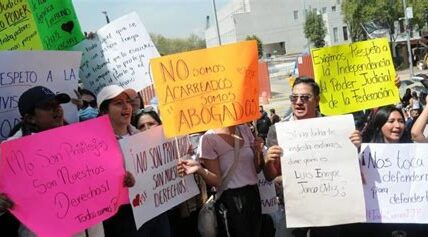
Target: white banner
<point>153,162</point>
<point>119,54</point>
<point>321,174</point>
<point>267,195</point>
<point>396,182</point>
<point>22,70</point>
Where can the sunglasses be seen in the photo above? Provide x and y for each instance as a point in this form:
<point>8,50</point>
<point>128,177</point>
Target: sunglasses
<point>92,103</point>
<point>147,109</point>
<point>304,98</point>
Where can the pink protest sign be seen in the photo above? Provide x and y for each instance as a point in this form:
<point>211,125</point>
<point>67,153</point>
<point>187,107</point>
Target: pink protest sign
<point>64,180</point>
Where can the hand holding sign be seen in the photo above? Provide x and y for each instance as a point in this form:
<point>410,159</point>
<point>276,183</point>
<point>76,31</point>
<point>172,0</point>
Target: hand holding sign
<point>63,180</point>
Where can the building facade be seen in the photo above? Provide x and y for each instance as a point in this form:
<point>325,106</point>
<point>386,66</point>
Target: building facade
<point>278,23</point>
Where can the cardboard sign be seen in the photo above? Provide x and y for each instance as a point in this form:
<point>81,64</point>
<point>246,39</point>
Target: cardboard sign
<point>268,197</point>
<point>38,24</point>
<point>209,88</point>
<point>119,54</point>
<point>355,76</point>
<point>153,162</point>
<point>320,166</point>
<point>22,70</point>
<point>396,179</point>
<point>64,180</point>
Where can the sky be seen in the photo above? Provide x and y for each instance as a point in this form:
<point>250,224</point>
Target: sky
<point>171,18</point>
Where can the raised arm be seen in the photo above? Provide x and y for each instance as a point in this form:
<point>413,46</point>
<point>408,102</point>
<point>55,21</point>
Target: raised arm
<point>419,126</point>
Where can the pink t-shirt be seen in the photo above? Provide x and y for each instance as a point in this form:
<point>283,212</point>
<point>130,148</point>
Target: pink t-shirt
<point>212,146</point>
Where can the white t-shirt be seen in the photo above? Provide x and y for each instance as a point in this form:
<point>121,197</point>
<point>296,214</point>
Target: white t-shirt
<point>213,147</point>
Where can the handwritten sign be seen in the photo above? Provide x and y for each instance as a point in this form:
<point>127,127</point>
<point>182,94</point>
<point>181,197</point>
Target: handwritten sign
<point>354,77</point>
<point>320,166</point>
<point>267,195</point>
<point>18,29</point>
<point>63,180</point>
<point>38,24</point>
<point>119,54</point>
<point>57,23</point>
<point>22,70</point>
<point>209,88</point>
<point>396,178</point>
<point>153,162</point>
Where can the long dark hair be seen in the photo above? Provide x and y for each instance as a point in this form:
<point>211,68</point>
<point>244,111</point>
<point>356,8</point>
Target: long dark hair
<point>373,131</point>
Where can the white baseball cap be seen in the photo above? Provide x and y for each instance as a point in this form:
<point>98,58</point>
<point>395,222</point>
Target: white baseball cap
<point>111,91</point>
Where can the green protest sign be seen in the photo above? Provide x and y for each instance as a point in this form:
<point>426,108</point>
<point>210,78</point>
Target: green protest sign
<point>38,24</point>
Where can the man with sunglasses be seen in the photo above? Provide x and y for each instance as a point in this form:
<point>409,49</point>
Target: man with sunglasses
<point>304,104</point>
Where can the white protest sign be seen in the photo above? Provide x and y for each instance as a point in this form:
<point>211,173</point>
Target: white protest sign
<point>118,54</point>
<point>267,195</point>
<point>153,162</point>
<point>22,70</point>
<point>321,175</point>
<point>396,182</point>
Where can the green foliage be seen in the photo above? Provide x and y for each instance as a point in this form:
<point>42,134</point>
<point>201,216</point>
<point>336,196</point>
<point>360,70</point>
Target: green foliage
<point>259,43</point>
<point>315,29</point>
<point>357,12</point>
<point>167,46</point>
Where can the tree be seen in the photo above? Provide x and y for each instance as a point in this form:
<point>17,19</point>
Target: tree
<point>167,46</point>
<point>383,12</point>
<point>315,29</point>
<point>259,43</point>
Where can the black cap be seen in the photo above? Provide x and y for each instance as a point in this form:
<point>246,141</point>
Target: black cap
<point>35,96</point>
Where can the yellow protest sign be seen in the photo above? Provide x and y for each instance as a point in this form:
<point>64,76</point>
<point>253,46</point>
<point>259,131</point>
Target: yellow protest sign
<point>355,76</point>
<point>17,27</point>
<point>209,88</point>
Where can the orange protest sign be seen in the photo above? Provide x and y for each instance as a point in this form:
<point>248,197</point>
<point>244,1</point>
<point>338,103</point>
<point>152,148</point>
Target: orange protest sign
<point>209,88</point>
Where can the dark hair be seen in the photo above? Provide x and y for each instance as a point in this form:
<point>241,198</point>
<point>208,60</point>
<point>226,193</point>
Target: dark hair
<point>309,81</point>
<point>272,110</point>
<point>149,111</point>
<point>104,107</point>
<point>373,131</point>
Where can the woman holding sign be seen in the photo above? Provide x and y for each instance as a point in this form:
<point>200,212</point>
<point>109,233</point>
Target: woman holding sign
<point>231,159</point>
<point>387,126</point>
<point>117,103</point>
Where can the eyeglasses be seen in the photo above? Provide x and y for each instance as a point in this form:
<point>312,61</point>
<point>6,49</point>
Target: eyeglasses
<point>303,97</point>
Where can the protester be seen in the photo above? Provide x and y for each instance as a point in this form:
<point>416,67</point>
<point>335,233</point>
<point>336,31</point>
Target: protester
<point>414,101</point>
<point>274,118</point>
<point>419,126</point>
<point>263,123</point>
<point>146,118</point>
<point>240,200</point>
<point>40,110</point>
<point>118,103</point>
<point>86,104</point>
<point>387,126</point>
<point>414,114</point>
<point>405,100</point>
<point>304,99</point>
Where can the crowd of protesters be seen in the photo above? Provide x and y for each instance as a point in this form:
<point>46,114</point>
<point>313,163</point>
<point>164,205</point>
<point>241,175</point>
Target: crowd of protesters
<point>225,160</point>
<point>240,151</point>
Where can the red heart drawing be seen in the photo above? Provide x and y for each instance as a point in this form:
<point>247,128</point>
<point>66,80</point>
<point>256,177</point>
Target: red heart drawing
<point>136,201</point>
